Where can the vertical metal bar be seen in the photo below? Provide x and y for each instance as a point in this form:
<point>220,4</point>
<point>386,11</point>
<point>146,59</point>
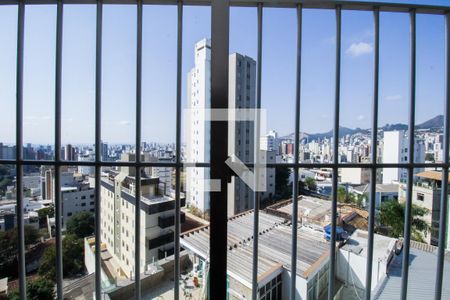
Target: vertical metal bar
<point>296,155</point>
<point>255,193</point>
<point>19,148</point>
<point>137,232</point>
<point>373,173</point>
<point>220,19</point>
<point>137,208</point>
<point>58,204</point>
<point>335,155</point>
<point>98,132</point>
<point>412,109</point>
<point>178,150</point>
<point>444,185</point>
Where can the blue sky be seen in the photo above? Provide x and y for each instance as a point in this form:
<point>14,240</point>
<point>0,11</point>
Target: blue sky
<point>159,69</point>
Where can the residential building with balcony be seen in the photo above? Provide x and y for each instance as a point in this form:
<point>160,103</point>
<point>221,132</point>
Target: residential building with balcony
<point>118,218</point>
<point>426,192</point>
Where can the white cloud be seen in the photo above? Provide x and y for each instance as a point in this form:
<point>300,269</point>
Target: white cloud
<point>393,97</point>
<point>358,49</point>
<point>361,117</point>
<point>124,123</point>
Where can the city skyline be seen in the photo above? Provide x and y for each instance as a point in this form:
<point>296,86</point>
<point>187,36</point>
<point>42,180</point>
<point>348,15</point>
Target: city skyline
<point>159,65</point>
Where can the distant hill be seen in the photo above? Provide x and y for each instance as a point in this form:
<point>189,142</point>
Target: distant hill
<point>342,131</point>
<point>436,122</point>
<point>394,127</point>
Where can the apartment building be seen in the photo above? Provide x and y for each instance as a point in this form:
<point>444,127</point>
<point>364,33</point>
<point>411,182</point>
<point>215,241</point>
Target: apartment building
<point>198,135</point>
<point>75,199</point>
<point>118,218</point>
<point>241,135</point>
<point>426,192</point>
<point>269,142</point>
<point>395,150</point>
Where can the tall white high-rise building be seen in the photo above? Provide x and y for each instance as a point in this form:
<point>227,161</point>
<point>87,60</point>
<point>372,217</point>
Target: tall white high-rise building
<point>242,82</point>
<point>395,150</point>
<point>269,142</point>
<point>199,132</point>
<point>241,135</point>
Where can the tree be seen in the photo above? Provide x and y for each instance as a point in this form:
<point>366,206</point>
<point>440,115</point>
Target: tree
<point>9,238</point>
<point>350,198</point>
<point>429,157</point>
<point>311,183</point>
<point>37,289</point>
<point>73,262</point>
<point>40,288</point>
<point>82,224</point>
<point>360,199</point>
<point>392,216</point>
<point>44,212</point>
<point>282,187</point>
<point>47,268</point>
<point>6,178</point>
<point>341,194</point>
<point>31,235</point>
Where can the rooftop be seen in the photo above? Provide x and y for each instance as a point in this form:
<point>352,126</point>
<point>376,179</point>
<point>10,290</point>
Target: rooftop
<point>382,249</point>
<point>309,207</point>
<point>274,244</point>
<point>422,275</point>
<point>380,188</point>
<point>432,174</point>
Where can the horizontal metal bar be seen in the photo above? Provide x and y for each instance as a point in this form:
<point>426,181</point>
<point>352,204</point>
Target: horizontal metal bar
<point>313,4</point>
<point>208,165</point>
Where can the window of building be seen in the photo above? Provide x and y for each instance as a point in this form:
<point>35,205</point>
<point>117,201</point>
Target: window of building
<point>420,197</point>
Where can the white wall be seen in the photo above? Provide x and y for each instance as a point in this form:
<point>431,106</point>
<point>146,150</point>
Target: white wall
<point>300,284</point>
<point>73,203</point>
<point>351,269</point>
<point>392,152</point>
<point>355,175</point>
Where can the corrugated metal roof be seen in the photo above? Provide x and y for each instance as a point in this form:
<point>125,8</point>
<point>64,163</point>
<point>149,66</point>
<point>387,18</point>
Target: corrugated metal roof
<point>274,246</point>
<point>422,277</point>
